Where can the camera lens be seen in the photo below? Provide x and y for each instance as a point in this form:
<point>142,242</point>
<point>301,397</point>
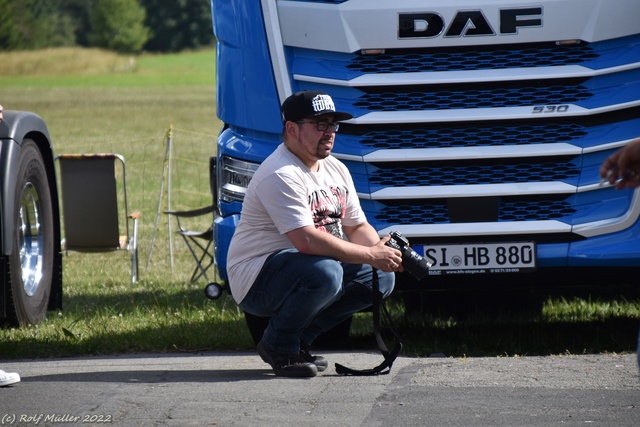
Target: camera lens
<point>416,265</point>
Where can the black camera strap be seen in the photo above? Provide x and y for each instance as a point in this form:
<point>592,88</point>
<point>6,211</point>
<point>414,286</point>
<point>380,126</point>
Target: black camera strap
<point>389,356</point>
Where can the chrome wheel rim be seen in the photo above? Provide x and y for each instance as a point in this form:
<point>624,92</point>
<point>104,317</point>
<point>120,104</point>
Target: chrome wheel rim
<point>30,239</point>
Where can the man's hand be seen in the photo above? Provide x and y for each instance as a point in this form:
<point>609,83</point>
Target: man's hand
<point>622,168</point>
<point>386,258</point>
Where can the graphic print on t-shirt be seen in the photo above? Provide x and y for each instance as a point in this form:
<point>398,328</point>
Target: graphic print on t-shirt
<point>328,208</point>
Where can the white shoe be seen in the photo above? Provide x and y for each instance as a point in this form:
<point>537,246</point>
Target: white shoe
<point>8,378</point>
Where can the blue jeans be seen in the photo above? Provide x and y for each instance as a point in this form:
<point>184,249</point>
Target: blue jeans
<point>306,295</point>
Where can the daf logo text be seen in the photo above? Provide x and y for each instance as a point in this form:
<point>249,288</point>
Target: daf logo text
<point>467,23</point>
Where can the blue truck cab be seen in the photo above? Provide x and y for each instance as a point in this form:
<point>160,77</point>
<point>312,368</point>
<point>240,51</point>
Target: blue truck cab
<point>478,128</point>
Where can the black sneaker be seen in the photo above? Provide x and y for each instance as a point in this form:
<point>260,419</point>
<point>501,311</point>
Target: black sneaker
<point>320,362</point>
<point>287,365</point>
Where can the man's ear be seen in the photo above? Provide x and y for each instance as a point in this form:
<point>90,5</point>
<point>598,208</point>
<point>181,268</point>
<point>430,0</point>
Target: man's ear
<point>292,128</point>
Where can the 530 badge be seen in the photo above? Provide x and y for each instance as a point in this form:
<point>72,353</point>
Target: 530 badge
<point>550,109</point>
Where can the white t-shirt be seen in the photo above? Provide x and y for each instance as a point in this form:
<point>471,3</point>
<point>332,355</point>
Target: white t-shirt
<point>282,196</point>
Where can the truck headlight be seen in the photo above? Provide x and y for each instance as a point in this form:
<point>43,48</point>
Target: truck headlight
<point>235,176</point>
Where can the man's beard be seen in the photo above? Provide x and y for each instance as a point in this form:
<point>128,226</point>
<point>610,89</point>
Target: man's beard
<point>321,152</point>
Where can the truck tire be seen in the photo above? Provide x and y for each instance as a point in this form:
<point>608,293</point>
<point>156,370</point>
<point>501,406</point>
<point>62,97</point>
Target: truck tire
<point>31,262</point>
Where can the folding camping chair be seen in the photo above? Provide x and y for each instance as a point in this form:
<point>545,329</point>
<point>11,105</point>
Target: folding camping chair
<point>199,242</point>
<point>90,206</point>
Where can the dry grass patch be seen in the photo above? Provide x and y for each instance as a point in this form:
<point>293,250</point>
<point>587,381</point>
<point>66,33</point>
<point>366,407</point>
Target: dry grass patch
<point>65,61</point>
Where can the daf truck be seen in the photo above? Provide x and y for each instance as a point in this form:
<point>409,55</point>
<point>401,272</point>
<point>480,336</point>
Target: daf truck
<point>478,126</point>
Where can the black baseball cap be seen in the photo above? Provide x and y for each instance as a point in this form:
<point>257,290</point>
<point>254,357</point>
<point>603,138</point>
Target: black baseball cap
<point>310,103</point>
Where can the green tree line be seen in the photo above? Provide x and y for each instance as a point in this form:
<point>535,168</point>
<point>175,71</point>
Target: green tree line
<point>126,26</point>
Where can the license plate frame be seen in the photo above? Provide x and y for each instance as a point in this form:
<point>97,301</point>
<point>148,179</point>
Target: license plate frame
<point>480,258</point>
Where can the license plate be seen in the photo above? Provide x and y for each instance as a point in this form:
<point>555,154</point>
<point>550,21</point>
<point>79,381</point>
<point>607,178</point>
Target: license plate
<point>480,258</point>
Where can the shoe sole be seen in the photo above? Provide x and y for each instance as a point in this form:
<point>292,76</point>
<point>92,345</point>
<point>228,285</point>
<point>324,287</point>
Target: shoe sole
<point>9,382</point>
<point>321,365</point>
<point>294,371</point>
<point>264,355</point>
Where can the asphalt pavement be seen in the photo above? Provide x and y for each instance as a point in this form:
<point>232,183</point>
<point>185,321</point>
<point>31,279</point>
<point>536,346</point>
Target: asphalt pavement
<point>238,389</point>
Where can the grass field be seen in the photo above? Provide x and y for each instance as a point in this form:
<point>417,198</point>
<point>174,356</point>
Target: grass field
<point>129,111</point>
<point>95,101</point>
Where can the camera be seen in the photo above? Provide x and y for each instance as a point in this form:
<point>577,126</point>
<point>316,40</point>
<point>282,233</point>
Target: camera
<point>412,262</point>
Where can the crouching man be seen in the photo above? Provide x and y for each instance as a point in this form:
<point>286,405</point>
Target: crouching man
<point>303,251</point>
